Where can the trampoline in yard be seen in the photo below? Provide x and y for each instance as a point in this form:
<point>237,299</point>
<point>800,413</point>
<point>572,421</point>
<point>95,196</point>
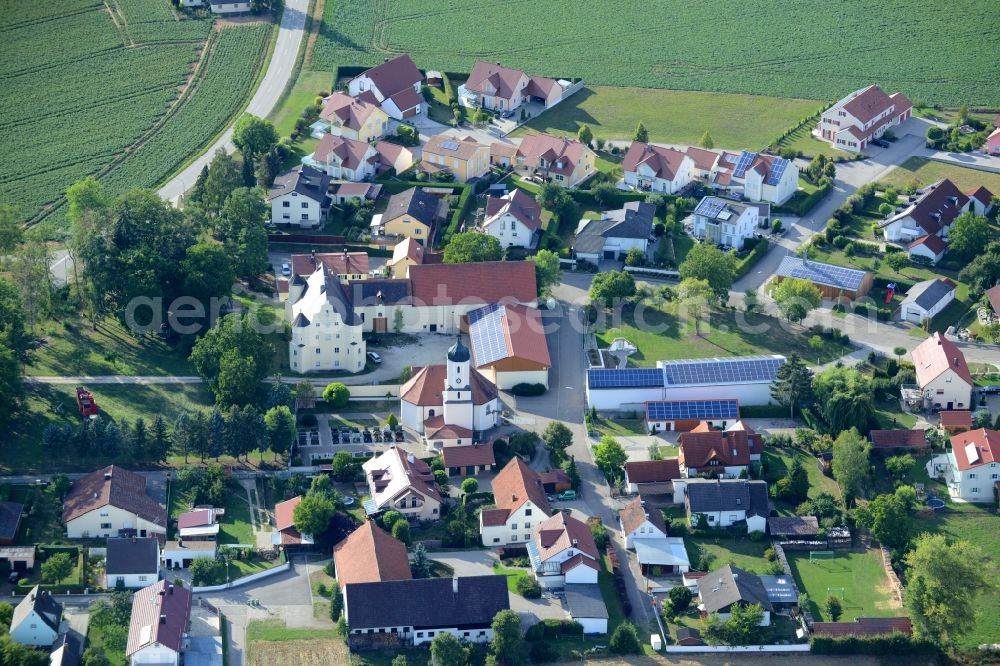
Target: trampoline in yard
<point>935,503</point>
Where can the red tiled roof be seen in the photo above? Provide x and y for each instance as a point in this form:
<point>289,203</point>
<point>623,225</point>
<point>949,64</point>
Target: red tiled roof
<point>370,555</point>
<point>898,439</point>
<point>196,518</point>
<point>868,104</point>
<point>353,112</point>
<point>635,514</point>
<point>524,334</point>
<point>562,531</point>
<point>483,282</point>
<point>980,194</point>
<point>955,418</point>
<point>494,517</point>
<point>113,486</point>
<point>465,456</point>
<point>555,476</point>
<point>160,614</point>
<point>865,626</point>
<point>575,561</point>
<point>505,81</point>
<point>518,203</point>
<point>338,263</point>
<point>516,484</point>
<point>394,75</point>
<point>653,471</point>
<point>284,512</point>
<point>697,449</point>
<point>427,384</point>
<point>934,356</point>
<point>975,448</point>
<point>539,86</point>
<point>703,159</point>
<point>350,151</point>
<point>436,428</point>
<point>993,294</point>
<point>554,149</point>
<point>932,242</point>
<point>406,99</point>
<point>936,207</point>
<point>665,162</point>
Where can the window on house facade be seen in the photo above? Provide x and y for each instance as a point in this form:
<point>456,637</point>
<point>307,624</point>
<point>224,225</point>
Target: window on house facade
<point>286,204</point>
<point>105,526</point>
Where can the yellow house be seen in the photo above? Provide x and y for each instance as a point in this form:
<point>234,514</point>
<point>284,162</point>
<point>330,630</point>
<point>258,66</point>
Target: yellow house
<point>350,117</point>
<point>466,158</point>
<point>411,214</point>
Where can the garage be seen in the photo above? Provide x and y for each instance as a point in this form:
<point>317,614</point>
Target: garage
<point>180,554</point>
<point>586,606</point>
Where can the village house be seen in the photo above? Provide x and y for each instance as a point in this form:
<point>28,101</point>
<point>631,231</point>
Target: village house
<point>112,502</point>
<point>724,503</point>
<point>412,214</point>
<point>326,331</point>
<point>468,459</point>
<point>980,200</point>
<point>928,213</point>
<point>943,376</point>
<point>299,198</point>
<point>399,481</point>
<point>615,232</point>
<point>180,554</point>
<point>408,252</point>
<point>865,115</point>
<point>397,613</point>
<point>638,522</point>
<point>131,562</point>
<point>726,454</point>
<point>562,551</point>
<point>515,219</point>
<point>285,534</point>
<point>971,469</point>
<point>755,176</point>
<point>157,632</point>
<point>722,221</point>
<point>720,590</point>
<point>352,118</point>
<point>654,477</point>
<point>394,86</point>
<point>36,619</point>
<point>508,345</point>
<point>370,555</point>
<point>566,162</point>
<point>684,415</point>
<point>653,168</point>
<point>344,158</point>
<point>926,299</point>
<point>463,158</point>
<point>520,505</point>
<point>449,404</point>
<point>498,88</point>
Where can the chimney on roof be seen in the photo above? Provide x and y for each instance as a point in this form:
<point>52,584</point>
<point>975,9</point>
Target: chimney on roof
<point>170,589</point>
<point>454,584</point>
<point>163,619</point>
<point>107,475</point>
<point>410,459</point>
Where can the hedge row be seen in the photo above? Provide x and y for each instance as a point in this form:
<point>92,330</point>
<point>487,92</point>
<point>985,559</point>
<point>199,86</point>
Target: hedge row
<point>894,644</point>
<point>800,205</point>
<point>397,186</point>
<point>744,265</point>
<point>553,628</point>
<point>464,201</point>
<point>616,200</point>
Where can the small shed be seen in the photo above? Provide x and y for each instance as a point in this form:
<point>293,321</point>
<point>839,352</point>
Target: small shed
<point>19,558</point>
<point>181,553</point>
<point>658,557</point>
<point>793,527</point>
<point>956,420</point>
<point>585,605</point>
<point>902,439</point>
<point>688,636</point>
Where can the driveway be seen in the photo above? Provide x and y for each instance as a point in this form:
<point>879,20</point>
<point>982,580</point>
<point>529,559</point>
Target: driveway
<point>286,51</point>
<point>975,160</point>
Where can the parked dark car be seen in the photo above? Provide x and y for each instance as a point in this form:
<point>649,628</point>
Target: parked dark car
<point>881,143</point>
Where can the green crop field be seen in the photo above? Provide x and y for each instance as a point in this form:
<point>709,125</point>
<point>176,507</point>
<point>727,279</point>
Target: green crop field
<point>812,49</point>
<point>87,84</point>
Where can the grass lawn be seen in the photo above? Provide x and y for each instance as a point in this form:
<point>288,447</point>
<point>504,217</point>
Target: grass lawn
<point>235,527</point>
<point>439,109</point>
<point>95,638</point>
<point>661,335</point>
<point>889,415</point>
<point>928,171</point>
<point>674,116</point>
<point>866,589</point>
<point>74,347</point>
<point>513,575</point>
<point>976,525</point>
<point>726,547</point>
<point>777,461</point>
<point>271,642</point>
<point>803,141</point>
<point>615,427</point>
<point>52,404</point>
<point>307,86</point>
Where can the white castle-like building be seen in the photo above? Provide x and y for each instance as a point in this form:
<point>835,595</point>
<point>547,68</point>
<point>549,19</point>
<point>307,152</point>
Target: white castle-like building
<point>450,404</point>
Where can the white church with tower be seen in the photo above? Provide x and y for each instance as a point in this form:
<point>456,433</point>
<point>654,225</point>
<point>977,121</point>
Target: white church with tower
<point>450,404</point>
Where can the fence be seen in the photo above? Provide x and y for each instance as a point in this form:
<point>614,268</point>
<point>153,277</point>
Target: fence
<point>714,649</point>
<point>780,552</point>
<point>97,552</point>
<point>242,581</point>
<point>373,391</point>
<point>657,272</point>
<point>897,587</point>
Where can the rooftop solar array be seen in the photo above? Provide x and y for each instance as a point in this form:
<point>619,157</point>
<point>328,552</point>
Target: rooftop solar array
<point>742,164</point>
<point>820,273</point>
<point>486,331</point>
<point>778,167</point>
<point>450,145</point>
<point>701,410</point>
<point>711,371</point>
<point>609,378</point>
<point>710,207</point>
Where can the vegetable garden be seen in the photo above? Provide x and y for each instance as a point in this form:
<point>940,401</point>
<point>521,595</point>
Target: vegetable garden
<point>807,49</point>
<point>87,85</point>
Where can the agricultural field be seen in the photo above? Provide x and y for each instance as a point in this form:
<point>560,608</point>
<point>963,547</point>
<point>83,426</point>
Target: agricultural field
<point>675,116</point>
<point>808,49</point>
<point>87,82</point>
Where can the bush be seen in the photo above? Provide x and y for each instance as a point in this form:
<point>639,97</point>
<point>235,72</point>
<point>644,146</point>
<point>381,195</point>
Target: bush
<point>625,640</point>
<point>893,644</point>
<point>525,389</point>
<point>528,587</point>
<point>542,652</point>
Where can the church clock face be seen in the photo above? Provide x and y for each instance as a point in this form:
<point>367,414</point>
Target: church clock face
<point>458,381</point>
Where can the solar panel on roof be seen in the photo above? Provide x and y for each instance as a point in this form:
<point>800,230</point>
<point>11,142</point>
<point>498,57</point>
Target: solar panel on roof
<point>450,145</point>
<point>673,410</point>
<point>743,163</point>
<point>608,378</point>
<point>486,331</point>
<point>820,273</point>
<point>738,370</point>
<point>777,172</point>
<point>710,207</point>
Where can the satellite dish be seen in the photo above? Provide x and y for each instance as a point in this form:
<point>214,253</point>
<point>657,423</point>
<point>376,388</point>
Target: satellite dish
<point>551,303</point>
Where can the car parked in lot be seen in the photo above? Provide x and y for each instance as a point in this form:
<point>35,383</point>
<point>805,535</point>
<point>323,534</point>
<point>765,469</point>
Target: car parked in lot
<point>881,143</point>
<point>374,357</point>
<point>566,495</point>
<point>286,268</point>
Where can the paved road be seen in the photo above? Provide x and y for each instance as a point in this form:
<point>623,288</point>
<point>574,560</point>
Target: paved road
<point>279,72</point>
<point>975,160</point>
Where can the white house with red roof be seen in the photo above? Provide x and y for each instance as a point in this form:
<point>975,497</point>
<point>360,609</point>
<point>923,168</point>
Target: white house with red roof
<point>854,121</point>
<point>394,86</point>
<point>515,219</point>
<point>509,346</point>
<point>755,176</point>
<point>565,162</point>
<point>562,552</point>
<point>942,374</point>
<point>285,533</point>
<point>344,158</point>
<point>656,169</point>
<point>520,506</point>
<point>930,212</point>
<point>972,468</point>
<point>353,118</point>
<point>399,481</point>
<point>980,199</point>
<point>157,631</point>
<point>499,88</point>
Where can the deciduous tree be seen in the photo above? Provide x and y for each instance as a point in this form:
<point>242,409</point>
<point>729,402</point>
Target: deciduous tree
<point>851,461</point>
<point>612,286</point>
<point>234,358</point>
<point>471,247</point>
<point>548,272</point>
<point>610,456</point>
<point>312,515</point>
<point>707,262</point>
<point>796,298</point>
<point>254,136</point>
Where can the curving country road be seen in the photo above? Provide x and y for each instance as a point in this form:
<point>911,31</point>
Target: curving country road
<point>286,50</point>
